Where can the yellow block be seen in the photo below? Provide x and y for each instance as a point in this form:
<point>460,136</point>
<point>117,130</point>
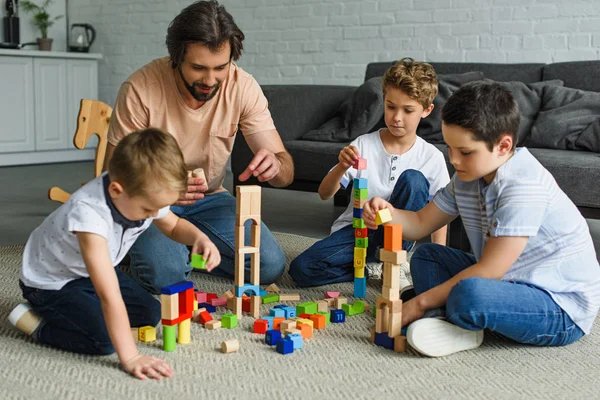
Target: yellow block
<point>147,334</point>
<point>360,252</point>
<point>183,336</point>
<point>359,272</point>
<point>383,216</point>
<point>359,262</point>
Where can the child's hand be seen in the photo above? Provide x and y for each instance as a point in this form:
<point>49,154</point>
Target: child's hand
<point>348,155</point>
<point>411,311</point>
<point>209,251</point>
<point>143,367</point>
<point>370,209</point>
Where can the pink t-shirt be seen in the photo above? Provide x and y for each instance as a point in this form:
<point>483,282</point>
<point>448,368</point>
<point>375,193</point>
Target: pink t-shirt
<point>150,98</point>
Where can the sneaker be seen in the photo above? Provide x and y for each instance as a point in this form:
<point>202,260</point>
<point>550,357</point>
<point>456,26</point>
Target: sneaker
<point>24,319</point>
<point>375,270</point>
<point>436,337</point>
<point>405,277</point>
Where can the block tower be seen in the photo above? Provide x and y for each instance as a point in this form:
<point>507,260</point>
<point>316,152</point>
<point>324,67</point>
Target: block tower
<point>177,307</point>
<point>361,193</point>
<point>388,320</point>
<point>248,208</point>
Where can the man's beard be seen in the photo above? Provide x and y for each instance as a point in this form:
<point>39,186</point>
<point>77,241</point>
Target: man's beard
<point>196,94</point>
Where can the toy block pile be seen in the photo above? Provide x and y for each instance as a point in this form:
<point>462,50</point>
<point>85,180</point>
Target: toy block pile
<point>388,317</point>
<point>177,308</point>
<point>361,237</point>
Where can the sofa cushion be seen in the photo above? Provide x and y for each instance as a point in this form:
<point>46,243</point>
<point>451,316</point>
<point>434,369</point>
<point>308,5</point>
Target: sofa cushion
<point>569,120</point>
<point>576,74</point>
<point>356,115</point>
<point>312,159</point>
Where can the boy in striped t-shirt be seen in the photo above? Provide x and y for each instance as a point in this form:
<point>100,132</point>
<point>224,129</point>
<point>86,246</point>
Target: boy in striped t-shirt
<point>534,276</point>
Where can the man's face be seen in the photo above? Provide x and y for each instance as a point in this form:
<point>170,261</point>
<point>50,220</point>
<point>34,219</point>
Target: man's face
<point>203,71</point>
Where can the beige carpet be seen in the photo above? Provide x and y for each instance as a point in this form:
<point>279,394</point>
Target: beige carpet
<point>339,362</point>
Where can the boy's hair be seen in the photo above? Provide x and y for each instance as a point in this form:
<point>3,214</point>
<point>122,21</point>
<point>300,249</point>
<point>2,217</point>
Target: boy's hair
<point>417,79</point>
<point>203,22</point>
<point>486,109</point>
<point>145,157</point>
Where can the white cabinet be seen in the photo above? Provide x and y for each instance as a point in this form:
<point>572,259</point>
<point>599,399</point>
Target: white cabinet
<point>16,105</point>
<point>40,94</point>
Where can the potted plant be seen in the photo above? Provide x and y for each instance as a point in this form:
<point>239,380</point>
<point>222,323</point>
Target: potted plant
<point>42,20</point>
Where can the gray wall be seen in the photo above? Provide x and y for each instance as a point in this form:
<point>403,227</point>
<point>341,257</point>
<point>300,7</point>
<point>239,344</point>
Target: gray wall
<point>331,41</point>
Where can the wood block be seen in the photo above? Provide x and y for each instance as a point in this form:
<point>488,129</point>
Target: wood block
<point>361,233</point>
<point>395,324</point>
<point>255,268</point>
<point>400,344</point>
<point>393,257</point>
<point>219,302</point>
<point>322,306</point>
<point>391,275</point>
<point>383,216</point>
<point>339,301</point>
<point>135,333</point>
<point>183,332</point>
<point>360,252</point>
<point>169,306</point>
<point>227,295</point>
<point>230,346</point>
<point>390,293</point>
<point>381,319</point>
<point>287,324</point>
<point>372,331</point>
<point>255,235</point>
<point>204,317</point>
<point>289,296</point>
<point>393,305</point>
<point>292,331</point>
<point>199,173</point>
<point>277,323</point>
<point>318,321</point>
<point>330,302</point>
<point>359,272</point>
<point>360,164</point>
<point>359,262</point>
<point>147,334</point>
<point>305,330</point>
<point>331,295</point>
<point>272,288</point>
<point>255,306</point>
<point>392,237</point>
<point>214,324</point>
<point>236,303</point>
<point>359,203</point>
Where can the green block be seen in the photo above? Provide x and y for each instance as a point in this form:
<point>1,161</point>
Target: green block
<point>198,261</point>
<point>348,309</point>
<point>229,321</point>
<point>270,298</point>
<point>358,223</point>
<point>375,311</point>
<point>310,307</point>
<point>362,243</point>
<point>169,337</point>
<point>326,314</point>
<point>358,307</point>
<point>361,193</point>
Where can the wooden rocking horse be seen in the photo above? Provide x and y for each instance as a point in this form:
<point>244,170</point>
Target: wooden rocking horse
<point>93,119</point>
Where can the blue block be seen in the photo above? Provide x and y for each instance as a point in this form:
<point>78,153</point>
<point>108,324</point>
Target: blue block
<point>209,307</point>
<point>360,287</point>
<point>280,306</point>
<point>337,316</point>
<point>263,292</point>
<point>285,346</point>
<point>290,312</point>
<point>269,320</point>
<point>361,183</point>
<point>357,212</point>
<point>277,312</point>
<point>383,340</point>
<point>403,331</point>
<point>177,287</point>
<point>296,338</point>
<point>240,290</point>
<point>272,337</point>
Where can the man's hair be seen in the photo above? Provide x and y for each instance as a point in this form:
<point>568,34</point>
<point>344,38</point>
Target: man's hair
<point>484,108</point>
<point>146,157</point>
<point>203,22</point>
<point>417,80</point>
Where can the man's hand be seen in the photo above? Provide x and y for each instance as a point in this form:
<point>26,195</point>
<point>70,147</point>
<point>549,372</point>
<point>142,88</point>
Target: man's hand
<point>348,155</point>
<point>195,191</point>
<point>370,210</point>
<point>264,166</point>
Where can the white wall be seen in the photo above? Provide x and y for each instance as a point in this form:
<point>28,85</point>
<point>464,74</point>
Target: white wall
<point>331,41</point>
<point>29,32</point>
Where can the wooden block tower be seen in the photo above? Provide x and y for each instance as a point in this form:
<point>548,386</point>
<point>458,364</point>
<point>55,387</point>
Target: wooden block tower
<point>361,193</point>
<point>388,320</point>
<point>248,207</point>
<point>177,307</point>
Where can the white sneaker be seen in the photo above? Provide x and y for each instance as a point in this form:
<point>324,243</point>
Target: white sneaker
<point>375,270</point>
<point>405,277</point>
<point>436,337</point>
<point>24,319</point>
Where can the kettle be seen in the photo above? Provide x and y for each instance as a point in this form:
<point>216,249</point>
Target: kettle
<point>81,38</point>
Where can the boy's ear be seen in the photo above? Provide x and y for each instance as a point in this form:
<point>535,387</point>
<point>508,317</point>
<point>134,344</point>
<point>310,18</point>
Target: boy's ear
<point>505,144</point>
<point>427,111</point>
<point>115,190</point>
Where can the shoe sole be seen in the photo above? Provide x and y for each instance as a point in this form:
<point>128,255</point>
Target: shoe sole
<point>435,337</point>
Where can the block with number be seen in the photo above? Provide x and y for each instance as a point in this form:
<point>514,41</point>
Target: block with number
<point>383,216</point>
<point>360,164</point>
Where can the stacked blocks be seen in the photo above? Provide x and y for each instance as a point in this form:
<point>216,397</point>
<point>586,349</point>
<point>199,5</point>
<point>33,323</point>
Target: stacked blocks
<point>361,194</point>
<point>177,308</point>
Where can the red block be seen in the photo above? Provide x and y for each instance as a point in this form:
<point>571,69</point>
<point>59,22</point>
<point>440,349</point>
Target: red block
<point>306,316</point>
<point>246,304</point>
<point>204,317</point>
<point>361,233</point>
<point>210,296</point>
<point>261,326</point>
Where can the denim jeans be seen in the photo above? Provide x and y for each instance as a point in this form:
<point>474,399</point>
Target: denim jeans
<point>73,318</point>
<point>519,311</point>
<point>331,260</point>
<point>157,261</point>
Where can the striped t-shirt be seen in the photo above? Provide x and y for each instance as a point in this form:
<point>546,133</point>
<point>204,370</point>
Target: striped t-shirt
<point>525,200</point>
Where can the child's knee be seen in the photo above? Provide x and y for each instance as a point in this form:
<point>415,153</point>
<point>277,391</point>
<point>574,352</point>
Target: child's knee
<point>464,301</point>
<point>415,180</point>
<point>299,271</point>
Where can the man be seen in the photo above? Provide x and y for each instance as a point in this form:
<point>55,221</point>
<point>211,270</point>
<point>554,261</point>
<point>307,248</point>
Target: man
<point>200,96</point>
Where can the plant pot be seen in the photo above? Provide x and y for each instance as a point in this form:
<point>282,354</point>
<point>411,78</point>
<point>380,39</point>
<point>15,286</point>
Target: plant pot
<point>45,44</point>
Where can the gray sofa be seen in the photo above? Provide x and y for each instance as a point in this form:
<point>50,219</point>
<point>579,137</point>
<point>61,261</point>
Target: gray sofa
<point>298,109</point>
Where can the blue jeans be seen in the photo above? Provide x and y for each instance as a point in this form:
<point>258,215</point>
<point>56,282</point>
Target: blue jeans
<point>73,319</point>
<point>519,311</point>
<point>157,261</point>
<point>331,260</point>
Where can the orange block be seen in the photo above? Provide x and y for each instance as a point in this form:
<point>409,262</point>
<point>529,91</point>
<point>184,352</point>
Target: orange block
<point>305,330</point>
<point>277,322</point>
<point>318,321</point>
<point>392,237</point>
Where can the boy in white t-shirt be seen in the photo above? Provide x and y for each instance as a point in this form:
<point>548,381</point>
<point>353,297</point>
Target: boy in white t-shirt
<point>78,301</point>
<point>401,167</point>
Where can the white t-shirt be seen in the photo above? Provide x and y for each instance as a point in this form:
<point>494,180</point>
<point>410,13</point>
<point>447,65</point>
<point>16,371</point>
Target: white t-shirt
<point>384,169</point>
<point>52,256</point>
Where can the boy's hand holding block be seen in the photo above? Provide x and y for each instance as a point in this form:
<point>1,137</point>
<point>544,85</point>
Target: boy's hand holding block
<point>360,164</point>
<point>198,261</point>
<point>383,216</point>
